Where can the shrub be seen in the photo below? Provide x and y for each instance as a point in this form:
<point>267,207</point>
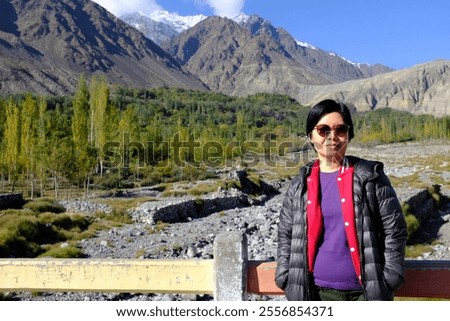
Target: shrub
<point>436,195</point>
<point>111,182</point>
<point>412,225</point>
<point>28,228</point>
<point>151,179</point>
<point>199,204</point>
<point>44,205</point>
<point>14,245</point>
<point>64,252</point>
<point>23,233</point>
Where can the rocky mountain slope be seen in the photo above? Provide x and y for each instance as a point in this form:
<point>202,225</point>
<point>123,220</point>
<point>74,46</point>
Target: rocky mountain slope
<point>334,67</point>
<point>253,56</point>
<point>421,89</point>
<point>248,56</point>
<point>46,45</point>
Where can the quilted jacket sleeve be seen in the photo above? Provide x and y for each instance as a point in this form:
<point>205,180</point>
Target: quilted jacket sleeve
<point>284,239</point>
<point>394,230</point>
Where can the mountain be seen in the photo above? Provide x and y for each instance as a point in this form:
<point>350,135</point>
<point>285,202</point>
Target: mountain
<point>421,89</point>
<point>251,56</point>
<point>158,32</point>
<point>45,45</point>
<point>161,26</point>
<point>336,67</point>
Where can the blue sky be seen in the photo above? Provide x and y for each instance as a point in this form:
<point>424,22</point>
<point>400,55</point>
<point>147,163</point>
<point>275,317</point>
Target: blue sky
<point>396,33</point>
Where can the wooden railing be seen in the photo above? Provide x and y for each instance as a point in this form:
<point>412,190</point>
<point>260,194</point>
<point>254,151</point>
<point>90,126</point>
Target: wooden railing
<point>424,279</point>
<point>229,276</point>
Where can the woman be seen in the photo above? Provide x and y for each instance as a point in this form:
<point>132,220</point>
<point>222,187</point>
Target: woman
<point>342,233</point>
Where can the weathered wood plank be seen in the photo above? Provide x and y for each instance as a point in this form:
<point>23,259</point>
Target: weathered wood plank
<point>117,275</point>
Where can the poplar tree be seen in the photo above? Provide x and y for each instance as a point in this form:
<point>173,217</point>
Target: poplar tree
<point>99,100</point>
<point>28,139</point>
<point>41,148</point>
<point>80,118</point>
<point>3,163</point>
<point>59,158</point>
<point>85,154</point>
<point>153,137</point>
<point>12,142</point>
<point>129,132</point>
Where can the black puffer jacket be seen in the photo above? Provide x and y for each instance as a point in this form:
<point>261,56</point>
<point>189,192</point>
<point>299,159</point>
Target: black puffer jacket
<point>381,231</point>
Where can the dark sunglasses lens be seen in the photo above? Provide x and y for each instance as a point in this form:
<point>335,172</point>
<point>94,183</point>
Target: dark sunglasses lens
<point>341,130</point>
<point>323,130</point>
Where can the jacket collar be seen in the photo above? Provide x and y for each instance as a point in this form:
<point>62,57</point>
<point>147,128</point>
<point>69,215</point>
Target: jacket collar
<point>365,169</point>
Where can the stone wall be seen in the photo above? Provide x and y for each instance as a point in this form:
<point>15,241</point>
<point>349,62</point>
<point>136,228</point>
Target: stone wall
<point>11,200</point>
<point>182,210</point>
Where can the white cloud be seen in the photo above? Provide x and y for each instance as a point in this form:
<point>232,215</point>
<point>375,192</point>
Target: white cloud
<point>120,7</point>
<point>225,8</point>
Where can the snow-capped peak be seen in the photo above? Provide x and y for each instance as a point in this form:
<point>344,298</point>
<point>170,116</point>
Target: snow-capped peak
<point>241,19</point>
<point>305,44</point>
<point>347,60</point>
<point>180,23</point>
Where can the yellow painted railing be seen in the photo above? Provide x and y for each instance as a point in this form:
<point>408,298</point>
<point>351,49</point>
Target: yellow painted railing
<point>90,275</point>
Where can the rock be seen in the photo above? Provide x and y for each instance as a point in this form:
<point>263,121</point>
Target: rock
<point>191,252</point>
<point>194,238</point>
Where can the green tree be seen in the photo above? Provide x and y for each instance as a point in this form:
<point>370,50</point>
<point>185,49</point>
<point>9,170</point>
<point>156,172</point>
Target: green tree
<point>59,159</point>
<point>80,118</point>
<point>28,139</point>
<point>129,131</point>
<point>12,142</point>
<point>41,143</point>
<point>85,154</point>
<point>99,116</point>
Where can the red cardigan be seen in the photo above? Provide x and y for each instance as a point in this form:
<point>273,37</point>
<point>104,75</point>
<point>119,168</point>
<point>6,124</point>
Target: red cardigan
<point>314,215</point>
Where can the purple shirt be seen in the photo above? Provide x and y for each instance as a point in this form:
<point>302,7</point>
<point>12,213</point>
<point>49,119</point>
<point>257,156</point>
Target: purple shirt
<point>333,267</point>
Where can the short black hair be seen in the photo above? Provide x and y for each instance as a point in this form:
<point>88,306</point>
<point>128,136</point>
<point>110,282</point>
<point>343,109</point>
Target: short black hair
<point>328,106</point>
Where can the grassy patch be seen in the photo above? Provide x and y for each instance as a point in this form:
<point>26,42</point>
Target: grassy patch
<point>123,203</point>
<point>22,232</point>
<point>63,252</point>
<point>203,188</point>
<point>158,227</point>
<point>414,251</point>
<point>115,217</point>
<point>44,205</point>
<point>41,226</point>
<point>412,181</point>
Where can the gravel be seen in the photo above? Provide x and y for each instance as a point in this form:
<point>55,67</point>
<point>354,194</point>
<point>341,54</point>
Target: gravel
<point>194,236</point>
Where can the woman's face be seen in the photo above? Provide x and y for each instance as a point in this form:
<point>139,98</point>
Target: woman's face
<point>330,138</point>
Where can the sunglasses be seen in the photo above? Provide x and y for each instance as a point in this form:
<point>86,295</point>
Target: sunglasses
<point>339,130</point>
